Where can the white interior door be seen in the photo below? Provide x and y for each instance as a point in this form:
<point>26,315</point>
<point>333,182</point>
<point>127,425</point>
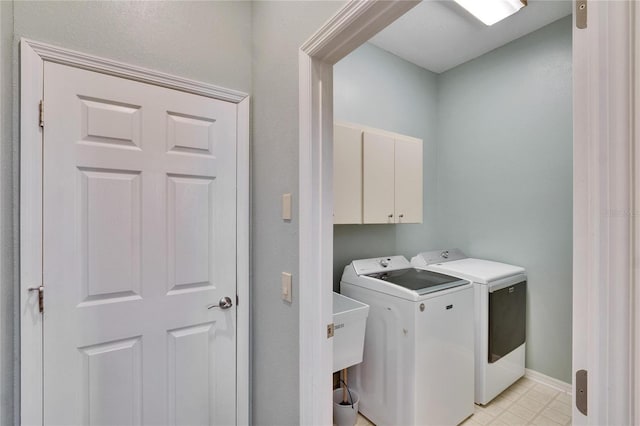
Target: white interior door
<point>139,239</point>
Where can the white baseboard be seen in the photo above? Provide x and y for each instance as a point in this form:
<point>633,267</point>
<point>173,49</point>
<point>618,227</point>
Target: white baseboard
<point>548,381</point>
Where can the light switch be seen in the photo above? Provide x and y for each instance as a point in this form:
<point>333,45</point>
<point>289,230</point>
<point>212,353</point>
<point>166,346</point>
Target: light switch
<point>286,287</point>
<point>286,206</point>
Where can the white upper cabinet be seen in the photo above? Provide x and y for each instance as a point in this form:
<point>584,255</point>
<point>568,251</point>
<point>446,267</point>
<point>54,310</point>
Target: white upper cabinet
<point>408,180</point>
<point>377,176</point>
<point>347,174</point>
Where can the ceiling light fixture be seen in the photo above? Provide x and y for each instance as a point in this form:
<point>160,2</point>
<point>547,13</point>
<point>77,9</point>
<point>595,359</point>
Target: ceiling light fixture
<point>492,11</point>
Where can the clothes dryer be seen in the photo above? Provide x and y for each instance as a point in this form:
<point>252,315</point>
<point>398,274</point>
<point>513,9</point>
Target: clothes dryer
<point>500,316</point>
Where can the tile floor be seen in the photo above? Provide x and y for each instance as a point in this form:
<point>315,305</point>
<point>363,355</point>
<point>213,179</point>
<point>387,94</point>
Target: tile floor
<point>524,403</point>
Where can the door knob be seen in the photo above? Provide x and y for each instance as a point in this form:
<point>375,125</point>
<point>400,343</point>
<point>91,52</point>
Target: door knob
<point>224,303</point>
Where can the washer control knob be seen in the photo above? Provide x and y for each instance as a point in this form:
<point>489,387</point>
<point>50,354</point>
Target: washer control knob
<point>384,262</point>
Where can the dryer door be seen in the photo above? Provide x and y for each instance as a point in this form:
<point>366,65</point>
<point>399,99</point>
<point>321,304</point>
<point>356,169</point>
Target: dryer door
<point>507,317</point>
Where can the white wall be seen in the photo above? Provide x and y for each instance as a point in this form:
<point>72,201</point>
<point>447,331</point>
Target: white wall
<point>7,210</point>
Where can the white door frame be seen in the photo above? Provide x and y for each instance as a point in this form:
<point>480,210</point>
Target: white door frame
<point>605,327</point>
<point>354,24</point>
<point>32,57</point>
<point>3,114</point>
<point>606,160</point>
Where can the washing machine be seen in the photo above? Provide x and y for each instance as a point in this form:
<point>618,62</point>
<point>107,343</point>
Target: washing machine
<point>417,366</point>
<point>500,316</point>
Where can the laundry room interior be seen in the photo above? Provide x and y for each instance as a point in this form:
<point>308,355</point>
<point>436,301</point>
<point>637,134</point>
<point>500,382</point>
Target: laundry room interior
<point>492,107</point>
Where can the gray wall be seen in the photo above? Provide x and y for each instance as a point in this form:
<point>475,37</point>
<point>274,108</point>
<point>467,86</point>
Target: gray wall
<point>505,176</point>
<point>207,41</point>
<point>501,165</point>
<point>7,282</point>
<point>378,89</point>
<point>279,30</point>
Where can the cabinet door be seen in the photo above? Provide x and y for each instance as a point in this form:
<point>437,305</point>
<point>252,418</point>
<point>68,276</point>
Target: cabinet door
<point>378,185</point>
<point>347,174</point>
<point>408,180</point>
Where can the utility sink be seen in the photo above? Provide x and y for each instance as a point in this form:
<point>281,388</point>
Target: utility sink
<point>349,320</point>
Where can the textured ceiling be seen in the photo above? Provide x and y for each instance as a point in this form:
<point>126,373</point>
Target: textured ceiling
<point>439,35</point>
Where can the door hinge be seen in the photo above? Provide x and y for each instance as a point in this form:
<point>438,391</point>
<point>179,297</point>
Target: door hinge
<point>330,330</point>
<point>237,300</point>
<point>581,391</point>
<point>40,291</point>
<point>41,113</point>
<point>581,14</point>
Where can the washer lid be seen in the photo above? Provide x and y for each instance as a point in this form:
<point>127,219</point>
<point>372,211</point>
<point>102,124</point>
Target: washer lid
<point>419,280</point>
<point>477,270</point>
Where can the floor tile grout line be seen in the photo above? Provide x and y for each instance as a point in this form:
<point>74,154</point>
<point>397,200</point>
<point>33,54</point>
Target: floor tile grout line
<point>540,413</point>
<point>553,396</point>
<point>524,385</point>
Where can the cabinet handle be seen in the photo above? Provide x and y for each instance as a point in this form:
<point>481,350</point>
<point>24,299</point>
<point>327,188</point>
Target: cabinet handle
<point>390,215</point>
<point>401,216</point>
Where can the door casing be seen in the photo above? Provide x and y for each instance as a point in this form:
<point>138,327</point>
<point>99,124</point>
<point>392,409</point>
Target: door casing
<point>32,57</point>
<point>352,25</point>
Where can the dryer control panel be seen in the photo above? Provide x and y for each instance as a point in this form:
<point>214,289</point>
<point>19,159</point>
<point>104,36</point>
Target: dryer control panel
<point>427,258</point>
<point>379,264</point>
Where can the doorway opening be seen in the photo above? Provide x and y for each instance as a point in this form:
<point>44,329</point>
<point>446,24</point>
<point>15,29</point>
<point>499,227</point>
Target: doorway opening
<point>593,240</point>
<point>493,178</point>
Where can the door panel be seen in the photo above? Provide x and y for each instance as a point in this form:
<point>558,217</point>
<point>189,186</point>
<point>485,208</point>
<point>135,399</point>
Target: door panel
<point>109,123</point>
<point>112,380</point>
<point>408,180</point>
<point>189,133</point>
<point>139,238</point>
<point>347,174</point>
<point>109,255</point>
<point>378,182</point>
<point>191,353</point>
<point>189,231</point>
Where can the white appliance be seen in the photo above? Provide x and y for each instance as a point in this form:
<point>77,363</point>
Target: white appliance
<point>500,316</point>
<point>417,367</point>
<point>349,321</point>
